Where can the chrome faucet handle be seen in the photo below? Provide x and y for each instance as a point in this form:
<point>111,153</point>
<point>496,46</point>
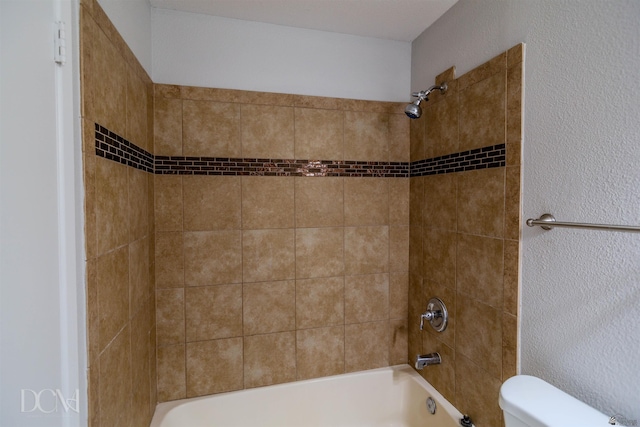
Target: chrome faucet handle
<point>428,316</point>
<point>436,314</point>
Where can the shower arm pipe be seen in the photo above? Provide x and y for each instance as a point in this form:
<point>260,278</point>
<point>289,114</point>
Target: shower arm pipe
<point>425,93</point>
<point>548,221</point>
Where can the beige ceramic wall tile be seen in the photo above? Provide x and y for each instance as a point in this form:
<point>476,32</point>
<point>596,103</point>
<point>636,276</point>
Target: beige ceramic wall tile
<point>93,313</point>
<point>366,346</point>
<point>150,114</point>
<point>476,339</point>
<point>267,131</point>
<point>319,252</point>
<point>320,352</point>
<point>267,202</point>
<point>440,202</point>
<point>87,74</point>
<point>416,237</point>
<point>166,91</point>
<point>139,289</point>
<point>442,376</point>
<point>366,298</point>
<point>112,198</point>
<point>439,249</point>
<point>366,201</point>
<point>366,250</point>
<point>211,202</point>
<point>211,129</point>
<point>512,203</point>
<point>514,153</point>
<point>108,85</point>
<point>319,202</point>
<point>483,113</point>
<point>214,366</point>
<point>417,138</point>
<point>168,202</point>
<point>113,293</point>
<point>415,310</point>
<point>138,192</point>
<point>511,276</point>
<point>398,349</point>
<point>269,359</point>
<point>212,257</point>
<point>167,124</point>
<point>479,268</point>
<point>398,291</point>
<point>480,202</point>
<point>90,192</point>
<point>441,127</point>
<point>169,260</point>
<point>140,369</point>
<point>490,68</point>
<point>476,393</point>
<point>399,201</point>
<point>399,138</point>
<point>509,345</point>
<point>153,371</point>
<point>213,312</point>
<point>432,289</point>
<point>93,394</point>
<point>319,302</point>
<point>170,316</point>
<point>319,134</point>
<point>325,103</point>
<point>268,255</point>
<point>172,383</point>
<point>269,307</point>
<point>399,248</point>
<point>514,103</point>
<point>416,200</point>
<point>515,55</point>
<point>115,382</point>
<point>136,118</point>
<point>366,136</point>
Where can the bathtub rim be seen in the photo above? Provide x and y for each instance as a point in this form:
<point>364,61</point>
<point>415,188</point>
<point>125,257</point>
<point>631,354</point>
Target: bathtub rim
<point>162,409</point>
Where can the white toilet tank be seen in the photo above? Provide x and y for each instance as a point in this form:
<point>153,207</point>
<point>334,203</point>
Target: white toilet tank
<point>531,402</point>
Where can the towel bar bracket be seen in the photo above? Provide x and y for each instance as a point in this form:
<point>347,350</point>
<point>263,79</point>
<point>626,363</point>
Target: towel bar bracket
<point>548,221</point>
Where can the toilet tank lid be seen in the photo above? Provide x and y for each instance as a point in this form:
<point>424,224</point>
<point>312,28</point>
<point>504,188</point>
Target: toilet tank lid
<point>540,404</point>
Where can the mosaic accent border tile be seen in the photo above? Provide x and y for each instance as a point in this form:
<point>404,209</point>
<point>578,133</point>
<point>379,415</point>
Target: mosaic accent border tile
<point>493,156</point>
<point>114,147</point>
<point>277,167</point>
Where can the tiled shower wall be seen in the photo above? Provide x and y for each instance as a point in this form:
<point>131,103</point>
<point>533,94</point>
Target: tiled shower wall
<point>282,238</point>
<point>289,235</point>
<point>119,230</point>
<point>465,232</point>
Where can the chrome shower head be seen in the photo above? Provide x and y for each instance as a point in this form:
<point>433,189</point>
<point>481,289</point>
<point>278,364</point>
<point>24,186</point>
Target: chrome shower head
<point>413,110</point>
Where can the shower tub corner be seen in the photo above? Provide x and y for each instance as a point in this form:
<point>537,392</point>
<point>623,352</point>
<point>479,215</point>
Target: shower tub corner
<point>394,396</point>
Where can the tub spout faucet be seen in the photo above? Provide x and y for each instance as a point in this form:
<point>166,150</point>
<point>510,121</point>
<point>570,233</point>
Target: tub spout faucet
<point>423,360</point>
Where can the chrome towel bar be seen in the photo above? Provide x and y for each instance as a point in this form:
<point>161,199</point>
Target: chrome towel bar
<point>547,222</point>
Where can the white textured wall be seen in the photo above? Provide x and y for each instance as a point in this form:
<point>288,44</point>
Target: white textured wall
<point>580,289</point>
<point>200,50</point>
<point>132,19</point>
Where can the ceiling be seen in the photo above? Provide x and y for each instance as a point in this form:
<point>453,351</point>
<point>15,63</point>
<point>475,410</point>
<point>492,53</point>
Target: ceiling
<point>401,20</point>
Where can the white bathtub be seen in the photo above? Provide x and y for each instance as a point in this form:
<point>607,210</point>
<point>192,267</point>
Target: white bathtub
<point>391,397</point>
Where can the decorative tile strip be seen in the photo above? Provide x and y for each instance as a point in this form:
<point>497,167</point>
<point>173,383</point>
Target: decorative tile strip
<point>493,156</point>
<point>113,147</point>
<point>277,167</point>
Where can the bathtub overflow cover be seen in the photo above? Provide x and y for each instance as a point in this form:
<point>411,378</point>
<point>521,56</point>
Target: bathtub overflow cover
<point>431,405</point>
